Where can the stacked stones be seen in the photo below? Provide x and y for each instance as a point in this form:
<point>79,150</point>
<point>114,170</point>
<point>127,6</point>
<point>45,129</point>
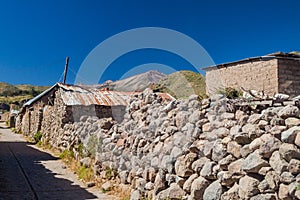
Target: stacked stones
<point>197,150</point>
<point>190,150</point>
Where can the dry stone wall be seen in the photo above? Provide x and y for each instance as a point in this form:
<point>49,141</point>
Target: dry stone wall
<point>194,150</point>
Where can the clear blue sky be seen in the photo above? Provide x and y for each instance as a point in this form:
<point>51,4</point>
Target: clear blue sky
<point>36,36</point>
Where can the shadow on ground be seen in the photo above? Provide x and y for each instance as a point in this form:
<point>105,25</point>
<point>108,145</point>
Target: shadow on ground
<point>22,176</point>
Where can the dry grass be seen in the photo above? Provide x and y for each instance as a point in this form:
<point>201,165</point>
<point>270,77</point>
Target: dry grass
<point>119,190</point>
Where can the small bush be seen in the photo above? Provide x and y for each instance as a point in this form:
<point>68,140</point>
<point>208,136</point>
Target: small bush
<point>39,143</point>
<point>85,173</point>
<point>231,93</point>
<point>110,173</point>
<point>80,149</point>
<point>93,145</point>
<point>298,186</point>
<point>37,137</point>
<point>66,154</point>
<point>14,130</point>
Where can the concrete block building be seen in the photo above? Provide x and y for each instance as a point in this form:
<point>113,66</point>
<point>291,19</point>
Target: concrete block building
<point>273,73</point>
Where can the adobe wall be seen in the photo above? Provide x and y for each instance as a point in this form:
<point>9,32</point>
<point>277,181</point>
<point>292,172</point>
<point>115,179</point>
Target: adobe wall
<point>256,75</point>
<point>289,77</point>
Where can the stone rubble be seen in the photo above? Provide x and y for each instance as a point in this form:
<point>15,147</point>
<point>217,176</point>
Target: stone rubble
<point>189,149</point>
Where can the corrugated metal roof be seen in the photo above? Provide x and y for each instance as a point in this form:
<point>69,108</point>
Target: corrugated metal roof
<point>78,95</point>
<point>31,101</point>
<point>81,95</point>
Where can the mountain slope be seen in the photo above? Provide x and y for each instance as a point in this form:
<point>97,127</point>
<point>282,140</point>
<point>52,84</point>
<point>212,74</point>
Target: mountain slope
<point>182,84</point>
<point>8,89</point>
<point>18,93</point>
<point>135,83</point>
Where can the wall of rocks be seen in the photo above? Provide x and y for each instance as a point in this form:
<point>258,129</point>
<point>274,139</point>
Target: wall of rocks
<point>194,150</point>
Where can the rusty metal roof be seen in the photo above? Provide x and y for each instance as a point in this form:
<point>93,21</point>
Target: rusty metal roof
<point>82,95</point>
<point>78,95</point>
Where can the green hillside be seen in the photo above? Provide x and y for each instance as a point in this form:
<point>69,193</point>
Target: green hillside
<point>182,84</point>
<point>18,93</point>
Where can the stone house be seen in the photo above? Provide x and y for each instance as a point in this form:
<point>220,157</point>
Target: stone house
<point>273,73</point>
<point>65,104</point>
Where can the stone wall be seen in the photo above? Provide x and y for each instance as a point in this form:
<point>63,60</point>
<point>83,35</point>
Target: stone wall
<point>5,116</point>
<point>77,111</point>
<point>194,150</point>
<point>289,77</point>
<point>62,124</point>
<point>255,75</point>
<point>29,120</point>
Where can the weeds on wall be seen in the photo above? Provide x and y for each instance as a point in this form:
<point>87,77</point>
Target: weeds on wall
<point>231,93</point>
<point>85,173</point>
<point>93,145</point>
<point>37,138</point>
<point>67,155</point>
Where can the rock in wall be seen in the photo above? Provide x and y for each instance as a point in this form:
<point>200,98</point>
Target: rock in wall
<point>196,150</point>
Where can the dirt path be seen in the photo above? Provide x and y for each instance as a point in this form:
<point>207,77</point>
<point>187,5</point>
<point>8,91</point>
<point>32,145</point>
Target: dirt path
<point>27,172</point>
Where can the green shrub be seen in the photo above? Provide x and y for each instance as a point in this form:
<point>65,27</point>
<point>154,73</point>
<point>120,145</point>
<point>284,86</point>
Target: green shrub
<point>110,173</point>
<point>85,173</point>
<point>93,145</point>
<point>80,149</point>
<point>37,137</point>
<point>231,93</point>
<point>66,154</point>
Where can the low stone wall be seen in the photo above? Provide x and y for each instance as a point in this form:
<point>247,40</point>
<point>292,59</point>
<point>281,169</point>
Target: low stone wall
<point>193,150</point>
<point>5,116</point>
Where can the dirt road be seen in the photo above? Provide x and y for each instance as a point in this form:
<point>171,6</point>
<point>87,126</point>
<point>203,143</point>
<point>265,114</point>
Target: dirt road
<point>27,172</point>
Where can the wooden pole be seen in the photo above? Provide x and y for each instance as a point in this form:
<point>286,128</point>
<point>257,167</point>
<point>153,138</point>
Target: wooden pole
<point>66,70</point>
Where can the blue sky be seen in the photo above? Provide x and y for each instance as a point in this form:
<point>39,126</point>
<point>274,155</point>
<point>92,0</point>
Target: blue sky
<point>36,36</point>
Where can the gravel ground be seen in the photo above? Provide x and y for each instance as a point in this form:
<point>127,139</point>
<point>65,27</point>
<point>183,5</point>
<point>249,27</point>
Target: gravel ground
<point>27,172</point>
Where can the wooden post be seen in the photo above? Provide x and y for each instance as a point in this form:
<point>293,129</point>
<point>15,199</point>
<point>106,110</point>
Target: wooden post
<point>66,70</point>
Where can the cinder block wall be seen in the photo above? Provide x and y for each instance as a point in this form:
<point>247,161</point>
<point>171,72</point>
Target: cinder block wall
<point>256,75</point>
<point>289,76</point>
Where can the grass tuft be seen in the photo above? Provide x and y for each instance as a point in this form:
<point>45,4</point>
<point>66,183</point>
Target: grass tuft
<point>85,173</point>
<point>37,137</point>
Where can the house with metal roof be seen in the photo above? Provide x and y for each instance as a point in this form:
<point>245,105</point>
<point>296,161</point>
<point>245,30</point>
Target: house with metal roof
<point>273,73</point>
<point>62,104</point>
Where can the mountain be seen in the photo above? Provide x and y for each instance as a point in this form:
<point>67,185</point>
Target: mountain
<point>134,83</point>
<point>182,84</point>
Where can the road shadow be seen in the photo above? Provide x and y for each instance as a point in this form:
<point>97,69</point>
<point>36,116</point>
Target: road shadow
<point>22,176</point>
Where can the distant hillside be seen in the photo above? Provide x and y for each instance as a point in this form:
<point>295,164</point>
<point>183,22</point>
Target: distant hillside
<point>135,83</point>
<point>18,93</point>
<point>27,87</point>
<point>8,90</point>
<point>182,84</point>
